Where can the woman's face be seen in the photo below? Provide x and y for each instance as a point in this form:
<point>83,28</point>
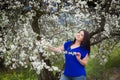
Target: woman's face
<point>79,36</point>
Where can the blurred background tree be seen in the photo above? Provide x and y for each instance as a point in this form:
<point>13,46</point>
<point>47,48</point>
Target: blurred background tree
<point>28,27</point>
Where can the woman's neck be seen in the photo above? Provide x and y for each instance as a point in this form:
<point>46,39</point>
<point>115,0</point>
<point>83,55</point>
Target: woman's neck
<point>77,43</point>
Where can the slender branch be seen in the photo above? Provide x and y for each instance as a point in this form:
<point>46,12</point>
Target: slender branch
<point>115,33</point>
<point>99,39</point>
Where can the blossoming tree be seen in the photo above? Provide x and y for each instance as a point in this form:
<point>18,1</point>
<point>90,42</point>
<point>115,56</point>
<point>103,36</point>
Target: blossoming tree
<point>28,27</point>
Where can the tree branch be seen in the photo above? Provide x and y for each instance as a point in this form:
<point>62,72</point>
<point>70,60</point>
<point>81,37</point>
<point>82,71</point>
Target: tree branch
<point>99,38</point>
<point>98,41</point>
<point>35,26</point>
<point>99,29</point>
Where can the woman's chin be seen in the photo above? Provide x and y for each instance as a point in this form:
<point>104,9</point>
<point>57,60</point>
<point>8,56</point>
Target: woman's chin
<point>78,39</point>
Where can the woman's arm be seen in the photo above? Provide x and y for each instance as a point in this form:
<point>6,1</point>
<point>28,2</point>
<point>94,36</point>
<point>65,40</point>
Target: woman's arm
<point>83,61</point>
<point>56,49</point>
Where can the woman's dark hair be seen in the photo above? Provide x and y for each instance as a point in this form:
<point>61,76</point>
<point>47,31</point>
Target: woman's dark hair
<point>86,40</point>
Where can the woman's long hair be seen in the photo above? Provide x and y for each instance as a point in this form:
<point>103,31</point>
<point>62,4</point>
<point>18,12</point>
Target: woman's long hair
<point>86,40</point>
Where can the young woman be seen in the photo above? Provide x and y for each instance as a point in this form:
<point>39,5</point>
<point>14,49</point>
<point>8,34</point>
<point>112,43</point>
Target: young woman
<point>76,56</point>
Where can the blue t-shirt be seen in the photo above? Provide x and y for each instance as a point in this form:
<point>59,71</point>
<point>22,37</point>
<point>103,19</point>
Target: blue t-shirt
<point>72,65</point>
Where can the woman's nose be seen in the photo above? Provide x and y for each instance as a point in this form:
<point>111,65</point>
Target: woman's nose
<point>78,34</point>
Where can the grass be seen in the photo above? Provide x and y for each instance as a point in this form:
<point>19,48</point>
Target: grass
<point>19,74</point>
<point>113,59</point>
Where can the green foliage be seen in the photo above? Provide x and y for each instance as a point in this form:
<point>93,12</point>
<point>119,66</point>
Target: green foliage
<point>97,71</point>
<point>19,74</point>
<point>114,58</point>
<point>94,69</point>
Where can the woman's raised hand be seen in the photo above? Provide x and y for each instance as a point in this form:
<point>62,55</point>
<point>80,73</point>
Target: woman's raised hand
<point>78,56</point>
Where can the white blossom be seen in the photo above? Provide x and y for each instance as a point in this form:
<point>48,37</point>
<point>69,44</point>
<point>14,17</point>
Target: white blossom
<point>0,39</point>
<point>13,47</point>
<point>33,58</point>
<point>13,59</point>
<point>21,63</point>
<point>14,66</point>
<point>52,31</point>
<point>55,68</point>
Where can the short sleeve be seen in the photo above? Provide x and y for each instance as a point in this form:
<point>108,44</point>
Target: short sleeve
<point>67,44</point>
<point>85,52</point>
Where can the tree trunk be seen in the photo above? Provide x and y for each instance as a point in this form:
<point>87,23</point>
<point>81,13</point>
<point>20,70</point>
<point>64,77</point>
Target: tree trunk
<point>45,74</point>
